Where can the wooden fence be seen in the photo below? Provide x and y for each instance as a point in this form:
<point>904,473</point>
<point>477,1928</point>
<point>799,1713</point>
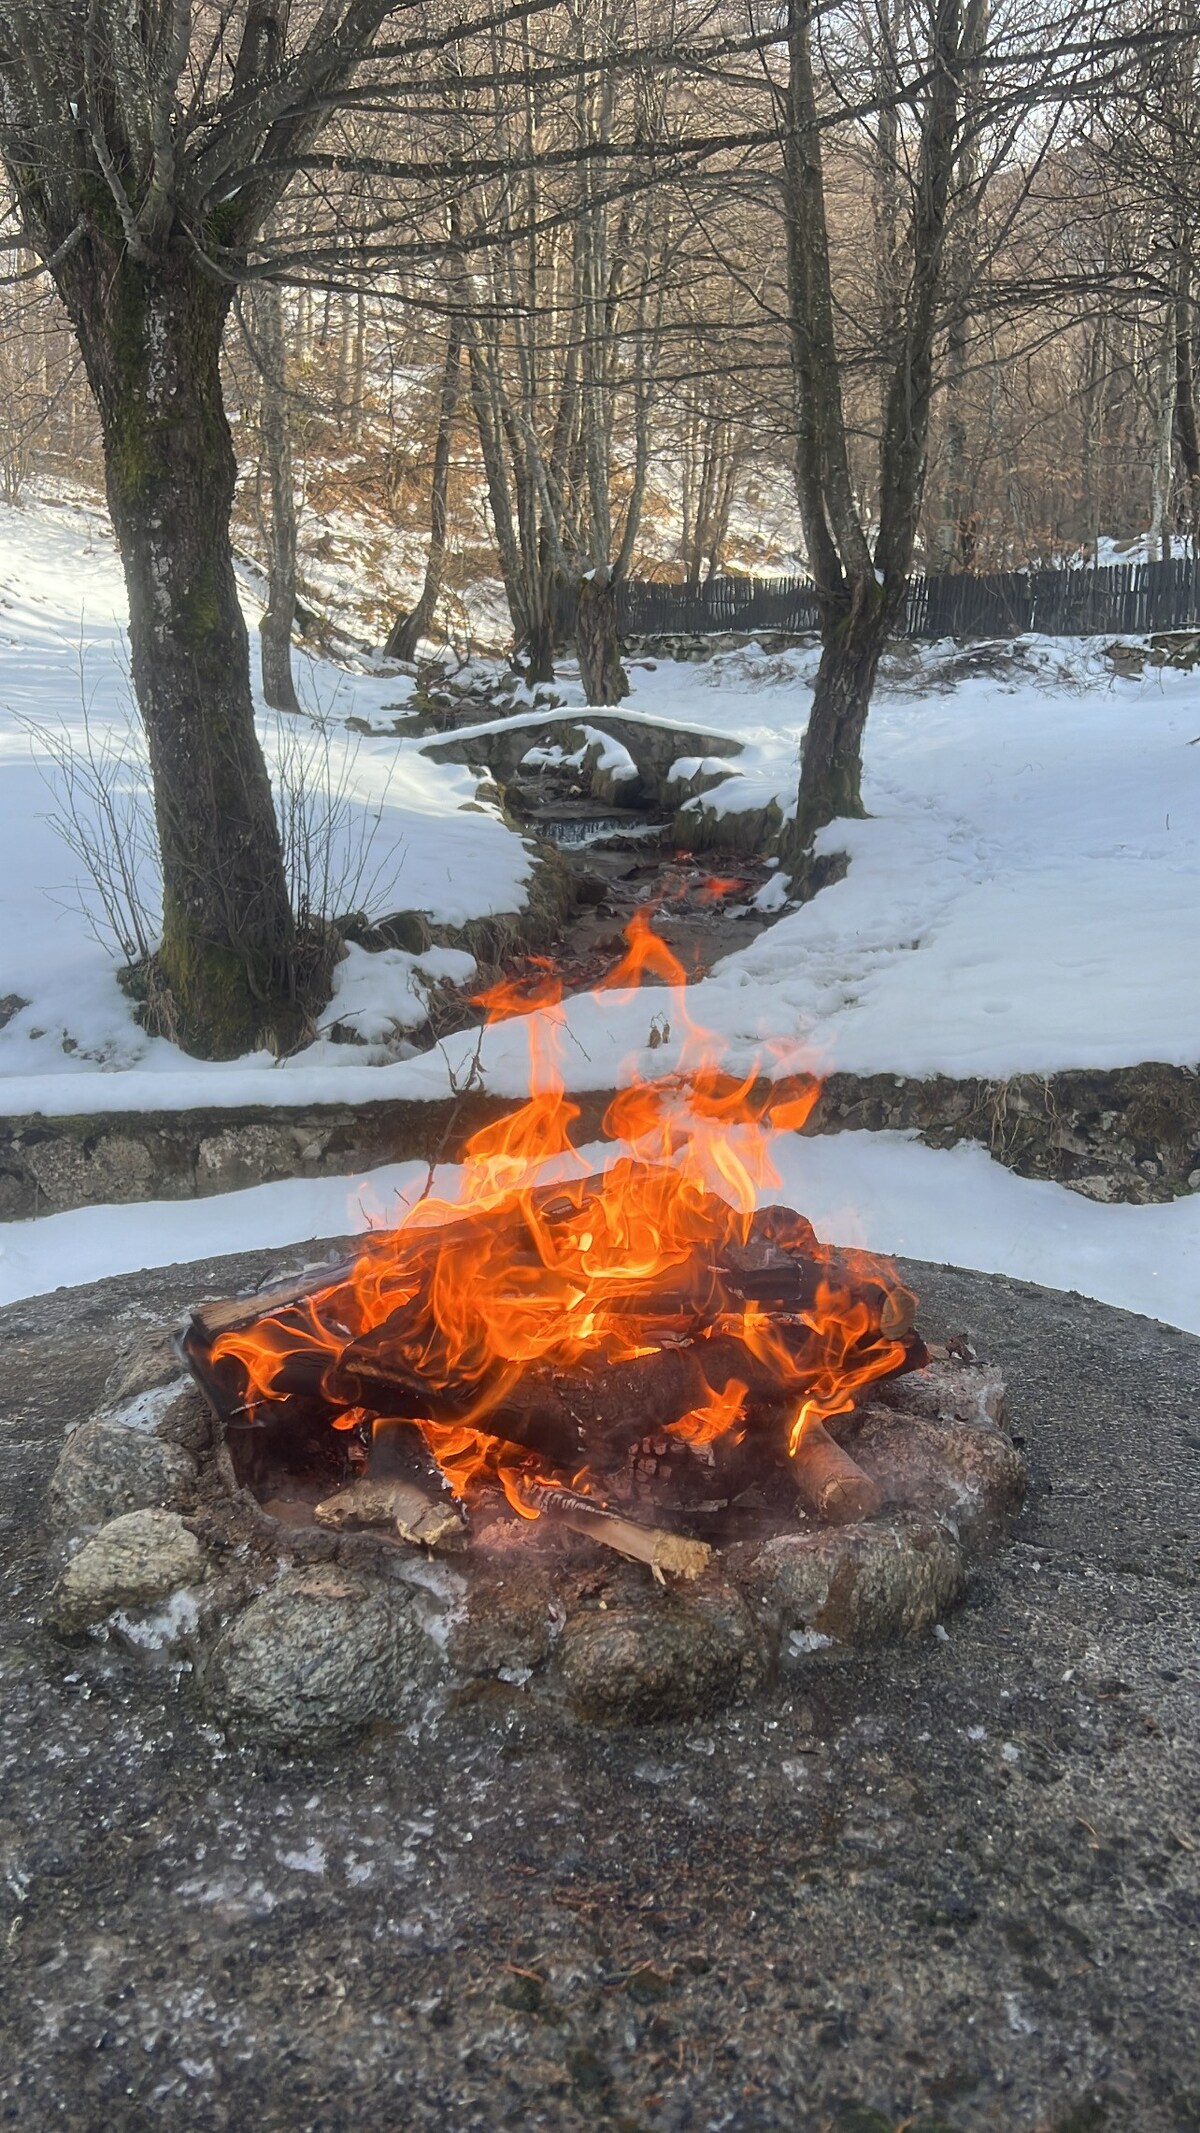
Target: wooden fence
<point>1126,599</point>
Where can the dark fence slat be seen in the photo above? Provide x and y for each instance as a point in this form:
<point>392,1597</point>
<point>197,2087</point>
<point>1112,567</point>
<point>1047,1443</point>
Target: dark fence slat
<point>1125,599</point>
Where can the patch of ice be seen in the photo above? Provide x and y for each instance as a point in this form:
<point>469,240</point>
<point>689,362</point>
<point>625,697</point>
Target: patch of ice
<point>156,1632</point>
<point>146,1409</point>
<point>310,1861</point>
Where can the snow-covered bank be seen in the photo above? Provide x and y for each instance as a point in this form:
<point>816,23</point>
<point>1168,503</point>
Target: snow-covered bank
<point>1025,896</point>
<point>880,1190</point>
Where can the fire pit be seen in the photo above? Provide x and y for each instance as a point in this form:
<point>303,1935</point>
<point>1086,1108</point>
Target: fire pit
<point>630,1435</point>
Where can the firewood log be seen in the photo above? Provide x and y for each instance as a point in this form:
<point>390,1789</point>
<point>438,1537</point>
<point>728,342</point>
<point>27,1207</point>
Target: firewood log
<point>689,1322</point>
<point>415,1517</point>
<point>830,1483</point>
<point>661,1551</point>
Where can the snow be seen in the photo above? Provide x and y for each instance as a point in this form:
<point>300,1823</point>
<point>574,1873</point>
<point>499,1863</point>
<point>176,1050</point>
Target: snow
<point>1024,897</point>
<point>383,994</point>
<point>1141,548</point>
<point>62,645</point>
<point>884,1191</point>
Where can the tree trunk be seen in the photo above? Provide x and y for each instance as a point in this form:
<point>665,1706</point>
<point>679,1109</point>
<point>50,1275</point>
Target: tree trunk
<point>407,630</point>
<point>1186,430</point>
<point>860,591</point>
<point>275,629</point>
<point>538,649</point>
<point>1165,391</point>
<point>853,639</point>
<point>151,342</point>
<point>597,639</point>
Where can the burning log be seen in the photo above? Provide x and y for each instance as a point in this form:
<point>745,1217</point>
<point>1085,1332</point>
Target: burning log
<point>597,1409</point>
<point>571,1324</point>
<point>661,1550</point>
<point>736,1314</point>
<point>687,1328</point>
<point>830,1483</point>
<point>416,1517</point>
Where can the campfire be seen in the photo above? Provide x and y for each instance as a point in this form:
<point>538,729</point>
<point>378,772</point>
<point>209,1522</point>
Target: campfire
<point>649,1352</point>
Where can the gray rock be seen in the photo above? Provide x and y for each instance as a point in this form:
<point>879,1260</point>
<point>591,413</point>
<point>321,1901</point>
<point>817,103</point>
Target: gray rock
<point>950,1390</point>
<point>750,830</point>
<point>860,1584</point>
<point>134,1561</point>
<point>668,1658</point>
<point>320,1655</point>
<point>18,1197</point>
<point>507,1625</point>
<point>186,1419</point>
<point>107,1469</point>
<point>970,1474</point>
<point>116,1167</point>
<point>148,1389</point>
<point>144,1363</point>
<point>240,1156</point>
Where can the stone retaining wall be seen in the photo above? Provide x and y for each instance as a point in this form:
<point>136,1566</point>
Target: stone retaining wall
<point>1128,1133</point>
<point>1121,1133</point>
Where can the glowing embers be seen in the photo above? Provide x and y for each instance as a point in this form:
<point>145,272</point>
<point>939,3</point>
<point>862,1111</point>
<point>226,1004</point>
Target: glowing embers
<point>649,1338</point>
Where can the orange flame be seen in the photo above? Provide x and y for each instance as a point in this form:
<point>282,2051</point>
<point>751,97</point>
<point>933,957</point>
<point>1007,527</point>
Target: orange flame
<point>511,1278</point>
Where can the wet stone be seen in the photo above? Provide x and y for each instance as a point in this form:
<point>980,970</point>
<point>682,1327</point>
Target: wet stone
<point>868,1584</point>
<point>507,1626</point>
<point>108,1468</point>
<point>147,1389</point>
<point>669,1658</point>
<point>134,1561</point>
<point>321,1654</point>
<point>973,1476</point>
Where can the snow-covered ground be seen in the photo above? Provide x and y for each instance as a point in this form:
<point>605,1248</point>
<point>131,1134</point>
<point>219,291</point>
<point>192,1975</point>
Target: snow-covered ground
<point>1024,897</point>
<point>424,841</point>
<point>883,1191</point>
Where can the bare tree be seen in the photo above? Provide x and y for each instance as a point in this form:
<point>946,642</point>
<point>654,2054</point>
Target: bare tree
<point>407,630</point>
<point>278,520</point>
<point>861,584</point>
<point>145,149</point>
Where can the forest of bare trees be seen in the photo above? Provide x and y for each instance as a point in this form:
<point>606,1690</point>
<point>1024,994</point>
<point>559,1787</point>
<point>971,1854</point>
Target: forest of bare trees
<point>557,292</point>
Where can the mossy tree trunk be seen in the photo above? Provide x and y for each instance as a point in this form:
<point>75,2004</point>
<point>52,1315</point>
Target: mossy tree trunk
<point>598,639</point>
<point>151,340</point>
